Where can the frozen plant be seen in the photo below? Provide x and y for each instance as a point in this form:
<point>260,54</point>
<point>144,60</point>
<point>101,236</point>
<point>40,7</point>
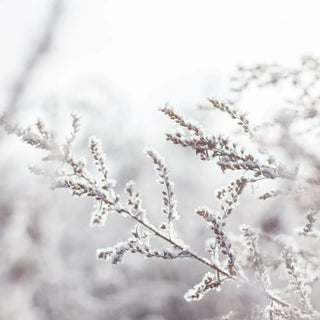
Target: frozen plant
<point>277,284</point>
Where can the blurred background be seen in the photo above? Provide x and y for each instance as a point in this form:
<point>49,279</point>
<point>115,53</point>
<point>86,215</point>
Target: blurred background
<point>115,63</point>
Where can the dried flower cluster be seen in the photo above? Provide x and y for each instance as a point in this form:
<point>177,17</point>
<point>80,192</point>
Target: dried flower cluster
<point>237,258</point>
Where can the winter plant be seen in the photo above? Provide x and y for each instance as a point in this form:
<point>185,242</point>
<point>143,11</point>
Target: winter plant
<point>278,269</point>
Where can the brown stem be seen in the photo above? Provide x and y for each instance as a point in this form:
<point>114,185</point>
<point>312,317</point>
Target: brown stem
<point>174,244</point>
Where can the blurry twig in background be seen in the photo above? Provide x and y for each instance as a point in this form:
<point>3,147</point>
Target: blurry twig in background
<point>40,51</point>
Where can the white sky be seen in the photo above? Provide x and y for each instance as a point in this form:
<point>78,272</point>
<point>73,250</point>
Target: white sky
<point>151,52</point>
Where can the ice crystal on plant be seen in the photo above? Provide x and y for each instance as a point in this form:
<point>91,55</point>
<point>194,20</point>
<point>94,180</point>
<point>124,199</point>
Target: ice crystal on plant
<point>239,258</point>
<point>208,283</point>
